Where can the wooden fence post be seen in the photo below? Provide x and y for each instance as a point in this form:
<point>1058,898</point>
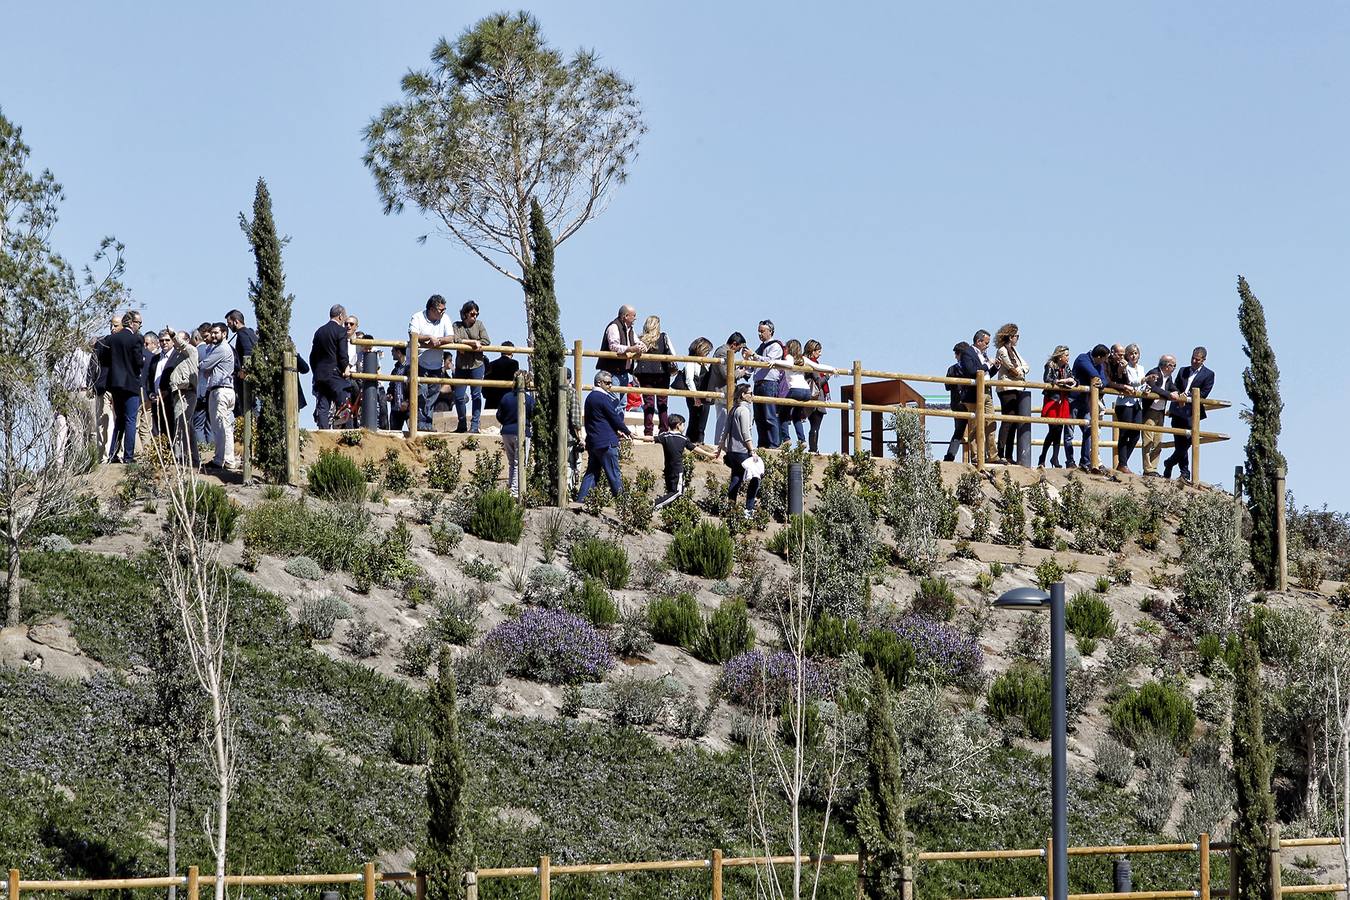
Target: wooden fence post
<point>1281,534</point>
<point>368,880</point>
<point>1049,869</point>
<point>420,885</point>
<point>13,884</point>
<point>576,367</point>
<point>1115,434</point>
<point>1273,848</point>
<point>906,883</point>
<point>977,439</point>
<point>1095,423</point>
<point>290,398</point>
<point>1196,409</point>
<point>1204,867</point>
<point>544,879</point>
<point>561,437</point>
<point>470,886</point>
<point>716,864</point>
<point>857,405</point>
<point>522,452</point>
<point>414,359</point>
<point>246,401</point>
<point>1232,872</point>
<point>194,883</point>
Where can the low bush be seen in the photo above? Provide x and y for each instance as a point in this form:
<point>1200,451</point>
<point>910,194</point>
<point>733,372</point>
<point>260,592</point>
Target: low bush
<point>1048,571</point>
<point>334,476</point>
<point>550,645</point>
<point>829,635</point>
<point>934,599</point>
<point>304,567</point>
<point>454,619</point>
<point>1022,693</point>
<point>633,637</point>
<point>445,537</point>
<point>726,633</point>
<point>480,569</point>
<point>1115,762</point>
<point>547,585</point>
<point>681,513</point>
<point>497,517</point>
<point>637,701</point>
<point>600,559</point>
<point>881,648</point>
<point>949,655</point>
<point>394,472</point>
<point>792,538</point>
<point>328,534</point>
<point>318,616</point>
<point>54,543</point>
<point>1154,709</point>
<point>385,561</point>
<point>443,466</point>
<point>213,511</point>
<point>1088,618</point>
<point>761,678</point>
<point>675,620</point>
<point>410,743</point>
<point>595,604</point>
<point>364,638</point>
<point>706,550</point>
<point>416,651</point>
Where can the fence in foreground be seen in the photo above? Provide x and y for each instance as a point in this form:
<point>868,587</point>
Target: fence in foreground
<point>716,864</point>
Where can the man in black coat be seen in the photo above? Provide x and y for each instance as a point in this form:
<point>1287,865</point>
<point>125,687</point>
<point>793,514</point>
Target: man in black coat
<point>126,362</point>
<point>972,360</point>
<point>1160,386</point>
<point>1194,376</point>
<point>328,361</point>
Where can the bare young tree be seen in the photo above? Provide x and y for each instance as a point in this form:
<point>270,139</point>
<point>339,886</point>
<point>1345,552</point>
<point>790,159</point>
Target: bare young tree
<point>47,317</point>
<point>1336,737</point>
<point>498,119</point>
<point>200,589</point>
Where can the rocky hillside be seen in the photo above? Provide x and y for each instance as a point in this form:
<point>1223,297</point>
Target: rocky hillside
<point>607,677</point>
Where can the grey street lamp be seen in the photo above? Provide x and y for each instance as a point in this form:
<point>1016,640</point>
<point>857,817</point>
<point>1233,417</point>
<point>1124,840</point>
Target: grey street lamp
<point>1029,598</point>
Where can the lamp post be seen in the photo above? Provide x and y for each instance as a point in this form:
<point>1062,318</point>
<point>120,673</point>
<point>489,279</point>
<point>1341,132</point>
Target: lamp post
<point>1030,598</point>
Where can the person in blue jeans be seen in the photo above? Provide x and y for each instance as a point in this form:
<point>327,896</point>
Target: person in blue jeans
<point>603,425</point>
<point>770,350</point>
<point>1088,369</point>
<point>470,363</point>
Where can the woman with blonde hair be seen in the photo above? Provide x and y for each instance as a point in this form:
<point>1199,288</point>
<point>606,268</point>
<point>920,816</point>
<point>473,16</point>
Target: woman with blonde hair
<point>1058,373</point>
<point>654,374</point>
<point>1014,401</point>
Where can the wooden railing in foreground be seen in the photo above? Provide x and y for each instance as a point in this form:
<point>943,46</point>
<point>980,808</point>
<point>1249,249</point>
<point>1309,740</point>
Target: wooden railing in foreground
<point>716,864</point>
<point>977,418</point>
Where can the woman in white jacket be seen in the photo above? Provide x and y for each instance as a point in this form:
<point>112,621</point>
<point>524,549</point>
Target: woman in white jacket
<point>1014,401</point>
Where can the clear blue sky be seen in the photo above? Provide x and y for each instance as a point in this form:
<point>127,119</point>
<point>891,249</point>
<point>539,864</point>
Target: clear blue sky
<point>883,177</point>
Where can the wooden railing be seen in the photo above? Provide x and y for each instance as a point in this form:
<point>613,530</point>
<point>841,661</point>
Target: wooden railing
<point>854,408</point>
<point>716,864</point>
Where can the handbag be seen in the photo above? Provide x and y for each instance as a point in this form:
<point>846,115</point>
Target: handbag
<point>681,381</point>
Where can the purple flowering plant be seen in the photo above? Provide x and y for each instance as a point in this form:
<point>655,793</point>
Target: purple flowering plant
<point>938,647</point>
<point>762,676</point>
<point>550,645</point>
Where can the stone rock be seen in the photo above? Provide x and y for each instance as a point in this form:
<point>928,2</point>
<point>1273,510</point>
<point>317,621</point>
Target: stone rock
<point>54,632</point>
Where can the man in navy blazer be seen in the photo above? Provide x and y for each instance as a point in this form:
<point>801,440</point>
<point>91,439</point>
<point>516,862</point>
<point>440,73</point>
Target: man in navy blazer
<point>604,423</point>
<point>126,361</point>
<point>1196,375</point>
<point>329,361</point>
<point>1088,368</point>
<point>972,361</point>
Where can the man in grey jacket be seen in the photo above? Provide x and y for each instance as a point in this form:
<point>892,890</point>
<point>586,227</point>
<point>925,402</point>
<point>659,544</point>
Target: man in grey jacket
<point>179,397</point>
<point>717,379</point>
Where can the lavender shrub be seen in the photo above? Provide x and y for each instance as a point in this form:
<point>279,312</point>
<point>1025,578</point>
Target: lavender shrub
<point>764,677</point>
<point>551,645</point>
<point>938,647</point>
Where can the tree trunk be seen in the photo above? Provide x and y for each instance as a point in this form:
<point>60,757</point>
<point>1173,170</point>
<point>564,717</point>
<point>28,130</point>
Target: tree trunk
<point>1312,787</point>
<point>12,584</point>
<point>173,828</point>
<point>223,797</point>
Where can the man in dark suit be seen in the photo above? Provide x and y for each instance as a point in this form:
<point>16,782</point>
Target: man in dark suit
<point>1159,388</point>
<point>243,339</point>
<point>972,361</point>
<point>1192,377</point>
<point>328,360</point>
<point>1088,369</point>
<point>126,362</point>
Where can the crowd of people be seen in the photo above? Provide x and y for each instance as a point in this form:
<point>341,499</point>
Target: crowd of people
<point>1140,397</point>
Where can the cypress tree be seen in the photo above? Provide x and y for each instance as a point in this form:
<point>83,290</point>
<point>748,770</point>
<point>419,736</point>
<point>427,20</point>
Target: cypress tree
<point>1261,380</point>
<point>448,853</point>
<point>1252,762</point>
<point>880,813</point>
<point>272,314</point>
<point>541,304</point>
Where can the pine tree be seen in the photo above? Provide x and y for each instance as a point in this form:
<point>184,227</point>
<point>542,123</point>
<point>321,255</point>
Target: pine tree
<point>1261,380</point>
<point>272,312</point>
<point>448,853</point>
<point>1252,762</point>
<point>880,813</point>
<point>541,305</point>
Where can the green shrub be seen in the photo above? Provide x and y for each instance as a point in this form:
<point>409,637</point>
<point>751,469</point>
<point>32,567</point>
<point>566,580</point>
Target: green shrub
<point>675,620</point>
<point>597,499</point>
<point>414,654</point>
<point>213,511</point>
<point>394,472</point>
<point>1102,585</point>
<point>934,599</point>
<point>600,559</point>
<point>1048,571</point>
<point>454,619</point>
<point>496,517</point>
<point>680,513</point>
<point>633,637</point>
<point>445,537</point>
<point>486,471</point>
<point>548,585</point>
<point>304,567</point>
<point>830,635</point>
<point>443,467</point>
<point>480,569</point>
<point>1088,618</point>
<point>705,550</point>
<point>364,638</point>
<point>1115,762</point>
<point>794,536</point>
<point>1155,709</point>
<point>335,477</point>
<point>969,489</point>
<point>385,561</point>
<point>1023,693</point>
<point>882,648</point>
<point>318,616</point>
<point>727,633</point>
<point>1012,524</point>
<point>410,743</point>
<point>595,604</point>
<point>328,534</point>
<point>635,506</point>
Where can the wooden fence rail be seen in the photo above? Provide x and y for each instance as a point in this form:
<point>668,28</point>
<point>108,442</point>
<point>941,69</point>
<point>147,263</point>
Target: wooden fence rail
<point>715,863</point>
<point>978,418</point>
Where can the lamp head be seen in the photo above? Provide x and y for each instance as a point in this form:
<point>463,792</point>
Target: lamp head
<point>1023,598</point>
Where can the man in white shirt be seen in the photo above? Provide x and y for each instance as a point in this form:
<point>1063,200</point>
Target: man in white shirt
<point>434,330</point>
<point>216,377</point>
